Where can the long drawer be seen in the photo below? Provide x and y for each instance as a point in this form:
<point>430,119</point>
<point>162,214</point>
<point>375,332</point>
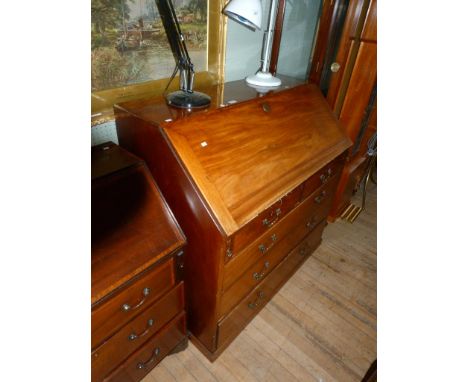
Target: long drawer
<point>245,311</point>
<point>294,227</point>
<point>141,362</point>
<point>273,215</point>
<point>112,314</point>
<point>112,352</point>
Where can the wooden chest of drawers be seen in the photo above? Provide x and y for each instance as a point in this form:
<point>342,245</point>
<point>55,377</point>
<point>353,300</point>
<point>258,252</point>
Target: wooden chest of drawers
<point>137,300</point>
<point>251,185</point>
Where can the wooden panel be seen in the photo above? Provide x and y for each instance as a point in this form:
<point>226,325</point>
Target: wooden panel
<point>230,326</point>
<point>141,362</point>
<point>272,160</point>
<point>108,316</point>
<point>112,352</point>
<point>292,228</point>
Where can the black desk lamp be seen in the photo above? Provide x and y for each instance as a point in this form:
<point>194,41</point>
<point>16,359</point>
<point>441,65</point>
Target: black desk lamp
<point>184,98</point>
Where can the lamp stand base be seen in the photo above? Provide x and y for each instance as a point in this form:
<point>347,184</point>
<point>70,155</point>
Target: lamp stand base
<point>187,100</point>
<point>263,79</point>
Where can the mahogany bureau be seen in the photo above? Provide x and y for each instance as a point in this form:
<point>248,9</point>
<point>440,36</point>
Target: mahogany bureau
<point>250,180</point>
<point>137,296</point>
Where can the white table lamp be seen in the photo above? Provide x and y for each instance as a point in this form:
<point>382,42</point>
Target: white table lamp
<point>249,13</point>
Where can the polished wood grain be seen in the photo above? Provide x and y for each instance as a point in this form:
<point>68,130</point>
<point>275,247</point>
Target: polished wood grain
<point>249,134</point>
<point>320,326</point>
<point>369,32</point>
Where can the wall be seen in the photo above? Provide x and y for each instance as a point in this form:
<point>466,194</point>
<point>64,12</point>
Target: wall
<point>243,46</point>
<point>299,29</point>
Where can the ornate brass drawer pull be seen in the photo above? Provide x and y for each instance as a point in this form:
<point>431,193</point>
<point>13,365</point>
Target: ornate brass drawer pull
<point>311,223</point>
<point>127,307</point>
<point>134,336</point>
<point>258,276</point>
<point>143,365</point>
<point>318,199</point>
<point>275,215</point>
<point>325,177</point>
<point>263,249</point>
<point>304,251</point>
<point>254,304</point>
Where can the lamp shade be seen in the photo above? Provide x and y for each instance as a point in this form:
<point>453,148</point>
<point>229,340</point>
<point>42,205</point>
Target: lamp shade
<point>247,12</point>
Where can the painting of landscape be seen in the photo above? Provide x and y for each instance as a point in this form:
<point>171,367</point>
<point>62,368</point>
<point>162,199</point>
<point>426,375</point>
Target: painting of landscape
<point>129,44</point>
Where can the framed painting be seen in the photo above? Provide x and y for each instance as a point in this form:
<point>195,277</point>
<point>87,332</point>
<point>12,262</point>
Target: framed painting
<point>131,57</point>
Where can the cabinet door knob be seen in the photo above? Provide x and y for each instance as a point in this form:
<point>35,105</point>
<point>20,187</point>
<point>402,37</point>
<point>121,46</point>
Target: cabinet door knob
<point>335,67</point>
<point>143,365</point>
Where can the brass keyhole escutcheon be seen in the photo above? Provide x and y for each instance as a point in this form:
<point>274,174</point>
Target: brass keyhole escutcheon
<point>266,107</point>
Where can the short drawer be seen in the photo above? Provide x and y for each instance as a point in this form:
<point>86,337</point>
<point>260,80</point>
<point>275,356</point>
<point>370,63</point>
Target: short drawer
<point>128,339</point>
<point>279,210</point>
<point>324,176</point>
<point>151,353</point>
<point>111,315</point>
<point>243,313</point>
<point>292,228</point>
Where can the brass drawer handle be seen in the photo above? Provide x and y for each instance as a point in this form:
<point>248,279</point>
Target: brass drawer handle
<point>254,304</point>
<point>127,307</point>
<point>143,365</point>
<point>305,251</point>
<point>134,336</point>
<point>263,249</point>
<point>258,276</point>
<point>325,177</point>
<point>311,223</point>
<point>275,215</point>
<point>319,199</point>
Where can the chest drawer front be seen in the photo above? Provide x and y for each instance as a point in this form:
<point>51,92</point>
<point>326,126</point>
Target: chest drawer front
<point>111,315</point>
<point>112,352</point>
<point>144,360</point>
<point>243,313</point>
<point>276,212</point>
<point>292,228</point>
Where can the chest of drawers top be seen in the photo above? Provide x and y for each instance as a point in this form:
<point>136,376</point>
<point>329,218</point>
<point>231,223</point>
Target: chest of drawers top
<point>246,156</point>
<point>132,227</point>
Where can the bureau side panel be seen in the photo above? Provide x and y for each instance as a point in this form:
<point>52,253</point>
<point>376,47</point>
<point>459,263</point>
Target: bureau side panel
<point>205,242</point>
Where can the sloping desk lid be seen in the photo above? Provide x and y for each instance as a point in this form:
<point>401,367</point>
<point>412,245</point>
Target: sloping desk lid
<point>246,156</point>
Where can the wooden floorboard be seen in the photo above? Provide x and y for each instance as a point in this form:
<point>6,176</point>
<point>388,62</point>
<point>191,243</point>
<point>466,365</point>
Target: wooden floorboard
<point>321,326</point>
